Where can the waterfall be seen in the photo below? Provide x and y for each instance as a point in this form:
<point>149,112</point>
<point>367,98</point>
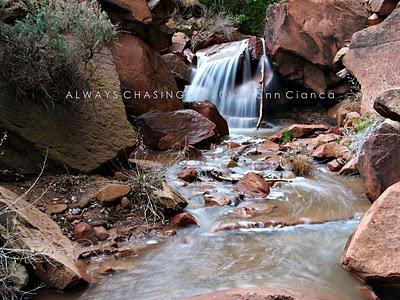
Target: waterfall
<point>226,78</point>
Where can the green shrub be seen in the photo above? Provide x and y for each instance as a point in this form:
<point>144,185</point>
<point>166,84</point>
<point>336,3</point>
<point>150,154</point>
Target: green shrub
<point>250,14</point>
<point>287,137</point>
<point>46,54</point>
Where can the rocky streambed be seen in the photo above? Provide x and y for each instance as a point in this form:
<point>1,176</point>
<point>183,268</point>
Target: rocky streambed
<point>288,238</point>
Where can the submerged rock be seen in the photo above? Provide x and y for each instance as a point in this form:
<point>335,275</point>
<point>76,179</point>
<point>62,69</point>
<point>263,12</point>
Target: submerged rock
<point>379,162</point>
<point>25,227</point>
<point>183,219</point>
<point>188,174</point>
<point>373,251</point>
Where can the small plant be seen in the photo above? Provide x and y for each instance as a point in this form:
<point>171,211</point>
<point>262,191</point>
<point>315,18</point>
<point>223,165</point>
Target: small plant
<point>301,164</point>
<point>46,54</point>
<point>363,123</point>
<point>287,137</point>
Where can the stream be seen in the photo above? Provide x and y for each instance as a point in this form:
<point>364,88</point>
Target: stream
<point>303,257</point>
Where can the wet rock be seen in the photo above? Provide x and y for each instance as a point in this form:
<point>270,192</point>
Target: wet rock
<point>101,233</point>
<point>269,146</point>
<point>85,234</point>
<point>209,41</point>
<point>181,71</point>
<point>372,252</point>
<point>208,110</point>
<point>255,48</point>
<point>183,220</point>
<point>166,130</point>
<point>350,168</point>
<point>72,137</point>
<point>299,131</point>
<point>124,252</point>
<point>366,293</point>
<point>245,212</point>
<point>232,145</point>
<point>188,174</point>
<point>112,192</point>
<point>259,294</point>
<point>375,49</point>
<point>383,7</point>
<point>56,208</point>
<point>217,200</point>
<point>379,162</point>
<point>170,201</point>
<point>330,150</point>
<point>388,104</point>
<point>53,258</point>
<point>324,139</point>
<point>253,185</point>
<point>145,77</point>
<point>303,38</point>
<point>159,37</point>
<point>179,42</point>
<point>335,165</point>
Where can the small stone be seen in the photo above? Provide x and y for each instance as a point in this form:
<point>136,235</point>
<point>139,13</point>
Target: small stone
<point>188,174</point>
<point>245,212</point>
<point>85,234</point>
<point>334,166</point>
<point>124,252</point>
<point>183,219</point>
<point>253,185</point>
<point>56,208</point>
<point>101,233</point>
<point>374,19</point>
<point>125,203</point>
<point>232,145</point>
<point>217,200</point>
<point>120,176</point>
<point>112,192</point>
<point>232,164</point>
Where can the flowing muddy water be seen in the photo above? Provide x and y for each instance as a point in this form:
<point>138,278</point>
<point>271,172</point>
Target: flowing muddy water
<point>303,257</point>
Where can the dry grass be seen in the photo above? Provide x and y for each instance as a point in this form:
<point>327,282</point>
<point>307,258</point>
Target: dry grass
<point>301,164</point>
<point>353,102</point>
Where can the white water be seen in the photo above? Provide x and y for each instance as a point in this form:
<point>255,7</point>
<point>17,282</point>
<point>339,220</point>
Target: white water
<point>216,80</point>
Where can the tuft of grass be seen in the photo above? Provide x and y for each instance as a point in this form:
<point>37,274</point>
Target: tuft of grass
<point>301,164</point>
<point>287,137</point>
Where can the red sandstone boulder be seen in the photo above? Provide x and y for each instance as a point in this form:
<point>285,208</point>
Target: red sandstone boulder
<point>253,185</point>
<point>166,130</point>
<point>146,82</point>
<point>188,174</point>
<point>388,104</point>
<point>183,219</point>
<point>217,200</point>
<point>52,254</point>
<point>161,10</point>
<point>324,139</point>
<point>179,42</point>
<point>373,251</point>
<point>85,234</point>
<point>379,162</point>
<point>112,192</point>
<point>299,131</point>
<point>303,38</point>
<point>383,7</point>
<point>159,37</point>
<point>375,49</point>
<point>350,168</point>
<point>181,71</point>
<point>208,110</point>
<point>331,150</point>
<point>255,48</point>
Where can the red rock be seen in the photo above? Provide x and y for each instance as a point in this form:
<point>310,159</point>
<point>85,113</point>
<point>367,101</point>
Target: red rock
<point>245,212</point>
<point>324,139</point>
<point>366,293</point>
<point>208,110</point>
<point>350,168</point>
<point>330,150</point>
<point>375,49</point>
<point>303,38</point>
<point>161,10</point>
<point>176,129</point>
<point>299,131</point>
<point>372,252</point>
<point>159,37</point>
<point>34,231</point>
<point>188,174</point>
<point>112,192</point>
<point>179,42</point>
<point>183,219</point>
<point>269,145</point>
<point>383,7</point>
<point>350,118</point>
<point>217,200</point>
<point>379,163</point>
<point>388,104</point>
<point>125,252</point>
<point>101,233</point>
<point>145,77</point>
<point>85,234</point>
<point>334,130</point>
<point>125,203</point>
<point>209,41</point>
<point>259,294</point>
<point>255,48</point>
<point>137,10</point>
<point>374,20</point>
<point>232,145</point>
<point>253,185</point>
<point>56,208</point>
<point>334,165</point>
<point>181,71</point>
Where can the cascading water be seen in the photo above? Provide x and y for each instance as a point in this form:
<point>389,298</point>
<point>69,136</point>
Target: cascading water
<point>226,78</point>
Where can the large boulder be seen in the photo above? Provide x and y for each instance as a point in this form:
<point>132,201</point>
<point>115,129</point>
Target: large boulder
<point>181,71</point>
<point>388,104</point>
<point>303,37</point>
<point>373,59</point>
<point>208,110</point>
<point>373,251</point>
<point>23,226</point>
<point>383,7</point>
<point>166,130</point>
<point>146,82</point>
<point>379,161</point>
<point>81,135</point>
